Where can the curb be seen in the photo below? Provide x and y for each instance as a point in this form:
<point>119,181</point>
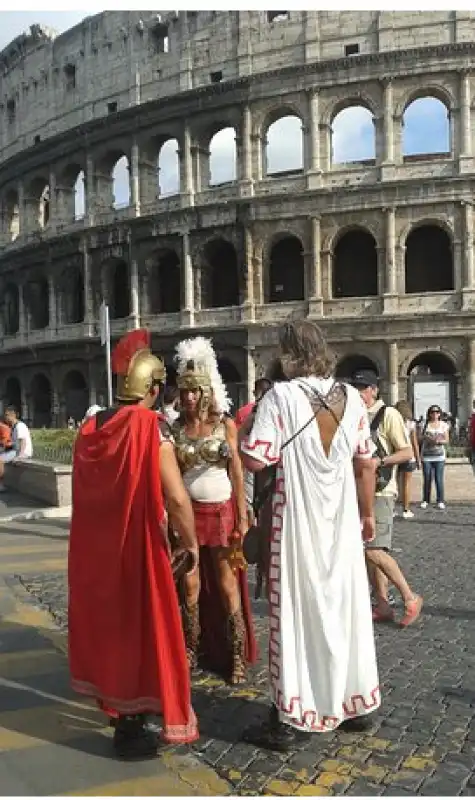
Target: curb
<point>61,512</point>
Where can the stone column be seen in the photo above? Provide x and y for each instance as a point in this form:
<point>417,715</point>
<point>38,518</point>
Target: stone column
<point>22,210</point>
<point>470,383</point>
<point>469,273</point>
<point>53,320</point>
<point>88,303</point>
<point>188,310</point>
<point>251,373</point>
<point>312,141</point>
<point>465,115</point>
<point>54,205</point>
<point>315,276</point>
<point>393,373</point>
<point>135,178</point>
<point>22,318</point>
<point>391,273</point>
<point>246,150</point>
<point>187,188</point>
<point>90,186</point>
<point>388,121</point>
<point>248,305</point>
<point>134,292</point>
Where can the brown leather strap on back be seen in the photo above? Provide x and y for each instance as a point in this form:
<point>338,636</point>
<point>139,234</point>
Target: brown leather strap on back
<point>328,411</point>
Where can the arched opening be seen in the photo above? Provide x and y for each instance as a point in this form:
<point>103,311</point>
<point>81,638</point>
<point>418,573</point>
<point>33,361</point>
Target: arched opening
<point>168,169</point>
<point>286,270</point>
<point>76,395</point>
<point>79,191</point>
<point>222,157</point>
<point>44,208</point>
<point>426,128</point>
<point>283,146</point>
<point>12,394</point>
<point>429,260</point>
<point>355,265</point>
<point>432,380</point>
<point>73,297</point>
<point>11,310</point>
<point>233,380</point>
<point>353,136</point>
<point>221,276</point>
<point>12,214</point>
<point>38,304</point>
<point>41,398</point>
<point>120,294</point>
<point>121,183</point>
<point>165,294</point>
<point>349,365</point>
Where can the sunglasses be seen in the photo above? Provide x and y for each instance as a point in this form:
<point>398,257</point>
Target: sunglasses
<point>435,411</point>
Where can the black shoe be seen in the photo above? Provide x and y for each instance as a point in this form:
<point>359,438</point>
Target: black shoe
<point>357,724</point>
<point>274,735</point>
<point>133,739</point>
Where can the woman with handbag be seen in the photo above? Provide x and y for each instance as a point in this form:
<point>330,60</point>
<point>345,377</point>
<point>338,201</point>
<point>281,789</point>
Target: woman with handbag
<point>215,603</point>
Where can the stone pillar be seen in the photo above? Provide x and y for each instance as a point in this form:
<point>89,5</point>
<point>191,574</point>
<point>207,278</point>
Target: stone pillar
<point>246,146</point>
<point>315,276</point>
<point>53,319</point>
<point>312,141</point>
<point>135,178</point>
<point>388,121</point>
<point>326,273</point>
<point>22,318</point>
<point>248,305</point>
<point>187,187</point>
<point>391,272</point>
<point>458,265</point>
<point>87,280</point>
<point>469,271</point>
<point>470,383</point>
<point>90,186</point>
<point>134,293</point>
<point>393,373</point>
<point>54,205</point>
<point>251,373</point>
<point>325,135</point>
<point>188,310</point>
<point>22,210</point>
<point>465,115</point>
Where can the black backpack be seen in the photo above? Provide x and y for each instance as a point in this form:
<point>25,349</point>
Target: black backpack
<point>383,474</point>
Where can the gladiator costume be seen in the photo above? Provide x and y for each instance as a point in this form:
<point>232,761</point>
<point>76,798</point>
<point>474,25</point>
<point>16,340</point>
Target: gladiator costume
<point>224,642</point>
<point>126,644</point>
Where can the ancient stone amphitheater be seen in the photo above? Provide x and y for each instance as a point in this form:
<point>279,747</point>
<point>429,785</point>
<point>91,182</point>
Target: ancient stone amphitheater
<point>378,249</point>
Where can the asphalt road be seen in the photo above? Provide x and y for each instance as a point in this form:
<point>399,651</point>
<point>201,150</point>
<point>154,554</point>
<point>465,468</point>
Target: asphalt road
<point>423,739</point>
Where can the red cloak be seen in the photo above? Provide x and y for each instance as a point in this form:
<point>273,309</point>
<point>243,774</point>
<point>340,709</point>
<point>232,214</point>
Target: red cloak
<point>126,643</point>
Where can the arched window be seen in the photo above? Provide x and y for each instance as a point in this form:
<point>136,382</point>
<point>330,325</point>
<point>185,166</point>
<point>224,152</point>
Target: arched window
<point>168,180</point>
<point>349,365</point>
<point>222,157</point>
<point>286,270</point>
<point>41,396</point>
<point>426,127</point>
<point>121,183</point>
<point>76,395</point>
<point>79,196</point>
<point>429,260</point>
<point>165,290</point>
<point>220,284</point>
<point>120,294</point>
<point>283,146</point>
<point>355,265</point>
<point>353,136</point>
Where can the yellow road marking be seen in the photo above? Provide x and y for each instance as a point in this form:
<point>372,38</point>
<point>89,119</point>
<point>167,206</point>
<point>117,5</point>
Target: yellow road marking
<point>32,550</point>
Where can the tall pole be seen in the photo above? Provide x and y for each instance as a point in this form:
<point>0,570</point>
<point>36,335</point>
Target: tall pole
<point>106,341</point>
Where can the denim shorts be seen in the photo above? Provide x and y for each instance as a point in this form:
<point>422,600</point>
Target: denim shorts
<point>9,455</point>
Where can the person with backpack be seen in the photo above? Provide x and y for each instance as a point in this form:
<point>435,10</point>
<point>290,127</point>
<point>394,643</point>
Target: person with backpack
<point>392,447</point>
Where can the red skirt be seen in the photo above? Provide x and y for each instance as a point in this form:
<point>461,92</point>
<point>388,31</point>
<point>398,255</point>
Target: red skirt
<point>214,523</point>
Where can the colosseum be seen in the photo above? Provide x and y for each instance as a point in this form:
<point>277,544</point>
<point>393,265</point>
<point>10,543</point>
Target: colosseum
<point>378,247</point>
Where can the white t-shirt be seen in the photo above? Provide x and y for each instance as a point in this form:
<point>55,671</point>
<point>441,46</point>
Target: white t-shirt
<point>21,432</point>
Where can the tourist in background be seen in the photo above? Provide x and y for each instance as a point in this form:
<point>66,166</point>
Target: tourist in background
<point>171,399</point>
<point>405,470</point>
<point>21,444</point>
<point>435,438</point>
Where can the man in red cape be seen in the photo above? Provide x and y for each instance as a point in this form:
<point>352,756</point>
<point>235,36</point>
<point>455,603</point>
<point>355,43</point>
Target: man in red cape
<point>126,643</point>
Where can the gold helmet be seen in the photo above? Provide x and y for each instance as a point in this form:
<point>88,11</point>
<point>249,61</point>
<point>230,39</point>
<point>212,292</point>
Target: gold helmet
<point>194,379</point>
<point>137,369</point>
<point>197,368</point>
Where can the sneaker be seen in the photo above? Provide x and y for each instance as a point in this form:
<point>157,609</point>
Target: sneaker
<point>407,514</point>
<point>441,506</point>
<point>424,504</point>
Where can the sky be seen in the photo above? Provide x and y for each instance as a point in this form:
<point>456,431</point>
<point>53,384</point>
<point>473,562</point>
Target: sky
<point>425,131</point>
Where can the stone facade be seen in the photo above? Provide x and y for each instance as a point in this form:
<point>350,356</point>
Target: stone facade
<point>380,252</point>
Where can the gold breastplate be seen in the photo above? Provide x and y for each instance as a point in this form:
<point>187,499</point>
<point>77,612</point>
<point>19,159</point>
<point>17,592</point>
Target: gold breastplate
<point>212,449</point>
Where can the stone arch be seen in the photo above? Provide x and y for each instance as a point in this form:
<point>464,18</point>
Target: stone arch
<point>119,289</point>
<point>352,132</point>
<point>355,264</point>
<point>72,296</point>
<point>75,395</point>
<point>12,394</point>
<point>348,365</point>
<point>71,193</point>
<point>220,286</point>
<point>428,260</point>
<point>282,143</point>
<point>431,106</point>
<point>12,215</point>
<point>223,157</point>
<point>286,269</point>
<point>79,195</point>
<point>41,401</point>
<point>168,168</point>
<point>165,283</point>
<point>37,303</point>
<point>432,378</point>
<point>11,309</point>
<point>119,181</point>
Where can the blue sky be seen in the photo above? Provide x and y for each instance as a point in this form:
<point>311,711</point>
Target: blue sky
<point>426,128</point>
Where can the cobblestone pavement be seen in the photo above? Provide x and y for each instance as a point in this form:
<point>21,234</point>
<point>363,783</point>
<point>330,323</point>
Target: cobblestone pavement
<point>423,738</point>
